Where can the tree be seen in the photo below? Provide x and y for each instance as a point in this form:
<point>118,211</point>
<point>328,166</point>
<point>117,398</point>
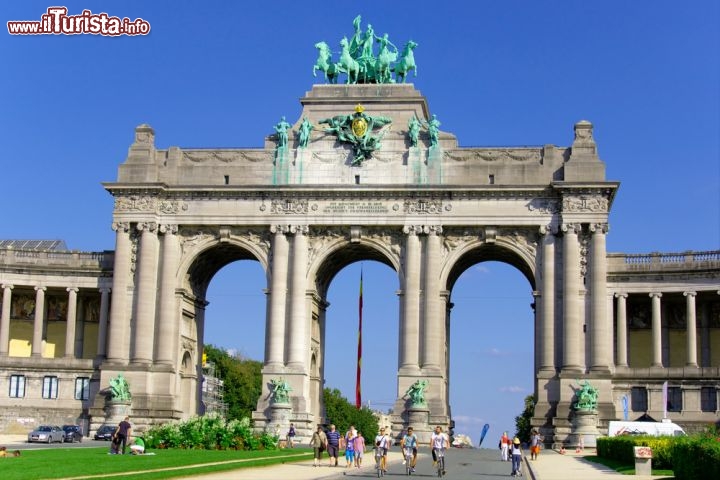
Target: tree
<point>522,422</point>
<point>343,414</point>
<point>242,381</point>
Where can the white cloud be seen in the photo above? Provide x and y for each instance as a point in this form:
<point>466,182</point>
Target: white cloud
<point>496,352</point>
<point>481,268</point>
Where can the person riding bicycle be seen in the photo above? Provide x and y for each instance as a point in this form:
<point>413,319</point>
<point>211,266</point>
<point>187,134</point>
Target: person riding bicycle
<point>382,444</point>
<point>439,441</point>
<point>409,441</point>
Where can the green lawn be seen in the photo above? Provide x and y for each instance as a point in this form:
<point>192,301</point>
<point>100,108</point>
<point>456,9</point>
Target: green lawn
<point>82,462</point>
<point>624,468</point>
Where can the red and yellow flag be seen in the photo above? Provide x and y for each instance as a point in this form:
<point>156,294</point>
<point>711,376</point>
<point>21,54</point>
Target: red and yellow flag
<point>358,396</point>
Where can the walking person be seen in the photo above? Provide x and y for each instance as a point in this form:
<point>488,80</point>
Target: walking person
<point>359,449</point>
<point>382,444</point>
<point>333,445</point>
<point>350,437</point>
<point>318,442</point>
<point>504,447</point>
<point>535,441</point>
<point>516,452</point>
<point>291,436</point>
<point>122,434</point>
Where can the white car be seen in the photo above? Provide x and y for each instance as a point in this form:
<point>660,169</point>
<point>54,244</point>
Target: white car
<point>47,434</point>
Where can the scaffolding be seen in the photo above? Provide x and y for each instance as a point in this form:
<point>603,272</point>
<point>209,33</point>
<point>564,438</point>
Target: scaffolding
<point>212,392</point>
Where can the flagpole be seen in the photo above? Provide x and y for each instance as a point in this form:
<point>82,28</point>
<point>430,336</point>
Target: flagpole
<point>358,395</point>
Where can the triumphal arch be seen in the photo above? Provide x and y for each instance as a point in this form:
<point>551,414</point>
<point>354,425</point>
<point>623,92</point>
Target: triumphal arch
<point>365,172</point>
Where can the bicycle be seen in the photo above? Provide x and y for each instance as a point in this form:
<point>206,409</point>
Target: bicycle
<point>408,453</point>
<point>440,456</point>
<point>379,464</point>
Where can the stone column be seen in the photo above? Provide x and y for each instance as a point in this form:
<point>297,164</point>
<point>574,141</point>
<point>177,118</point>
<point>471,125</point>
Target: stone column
<point>39,322</point>
<point>118,344</point>
<point>298,340</point>
<point>275,324</point>
<point>433,336</point>
<point>656,330</point>
<point>546,324</point>
<point>144,334</point>
<point>103,322</point>
<point>622,357</point>
<point>71,319</point>
<point>571,298</point>
<point>5,320</point>
<point>410,320</point>
<point>167,328</point>
<point>691,330</point>
<point>705,353</point>
<point>601,328</point>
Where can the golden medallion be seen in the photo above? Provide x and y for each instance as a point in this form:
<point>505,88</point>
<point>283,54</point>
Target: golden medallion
<point>359,126</point>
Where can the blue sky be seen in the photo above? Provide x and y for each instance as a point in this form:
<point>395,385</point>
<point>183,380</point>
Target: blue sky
<point>221,74</point>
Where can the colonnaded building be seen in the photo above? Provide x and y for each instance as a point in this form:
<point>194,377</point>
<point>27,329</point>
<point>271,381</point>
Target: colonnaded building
<point>363,174</point>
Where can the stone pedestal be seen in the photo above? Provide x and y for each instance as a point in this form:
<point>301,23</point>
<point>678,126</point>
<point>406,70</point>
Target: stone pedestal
<point>583,430</point>
<point>419,419</point>
<point>116,411</point>
<point>279,419</point>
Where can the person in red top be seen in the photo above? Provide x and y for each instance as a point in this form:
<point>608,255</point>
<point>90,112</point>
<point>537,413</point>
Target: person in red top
<point>505,447</point>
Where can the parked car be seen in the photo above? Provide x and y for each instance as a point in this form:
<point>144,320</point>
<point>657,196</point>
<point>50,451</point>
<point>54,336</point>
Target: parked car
<point>73,433</point>
<point>47,434</point>
<point>105,432</point>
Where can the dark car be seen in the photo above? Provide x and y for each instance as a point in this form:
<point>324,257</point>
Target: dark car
<point>105,432</point>
<point>73,433</point>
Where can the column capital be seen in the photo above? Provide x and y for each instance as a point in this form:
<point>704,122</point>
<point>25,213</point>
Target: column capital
<point>548,229</point>
<point>40,287</point>
<point>105,289</point>
<point>147,226</point>
<point>412,229</point>
<point>121,226</point>
<point>168,228</point>
<point>599,228</point>
<point>8,286</point>
<point>280,229</point>
<point>433,229</point>
<point>299,229</point>
<point>570,228</point>
<point>72,289</point>
<point>655,295</point>
<point>621,295</point>
<point>689,294</point>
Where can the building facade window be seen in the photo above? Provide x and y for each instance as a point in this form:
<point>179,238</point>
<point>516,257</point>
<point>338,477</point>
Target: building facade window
<point>82,388</point>
<point>50,387</point>
<point>674,399</point>
<point>708,399</point>
<point>638,399</point>
<point>17,386</point>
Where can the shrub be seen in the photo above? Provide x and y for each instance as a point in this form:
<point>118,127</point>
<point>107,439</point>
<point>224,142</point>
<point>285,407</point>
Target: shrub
<point>209,433</point>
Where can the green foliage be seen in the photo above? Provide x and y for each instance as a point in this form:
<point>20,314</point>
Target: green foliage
<point>697,456</point>
<point>209,433</point>
<point>242,381</point>
<point>522,422</point>
<point>343,414</point>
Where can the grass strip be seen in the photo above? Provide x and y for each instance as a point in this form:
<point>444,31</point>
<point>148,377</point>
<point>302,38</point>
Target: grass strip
<point>86,463</point>
<point>624,468</point>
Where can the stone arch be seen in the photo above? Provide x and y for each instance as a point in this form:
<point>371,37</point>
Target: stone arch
<point>476,251</point>
<point>341,252</point>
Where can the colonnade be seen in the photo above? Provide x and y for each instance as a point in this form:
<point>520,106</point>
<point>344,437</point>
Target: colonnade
<point>40,320</point>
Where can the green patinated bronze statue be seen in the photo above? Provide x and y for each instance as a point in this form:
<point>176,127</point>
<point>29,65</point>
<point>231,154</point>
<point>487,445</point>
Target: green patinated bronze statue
<point>282,128</point>
<point>358,61</point>
<point>416,393</point>
<point>433,128</point>
<point>280,391</point>
<point>119,389</point>
<point>304,135</point>
<point>586,396</point>
<point>413,131</point>
<point>357,129</point>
